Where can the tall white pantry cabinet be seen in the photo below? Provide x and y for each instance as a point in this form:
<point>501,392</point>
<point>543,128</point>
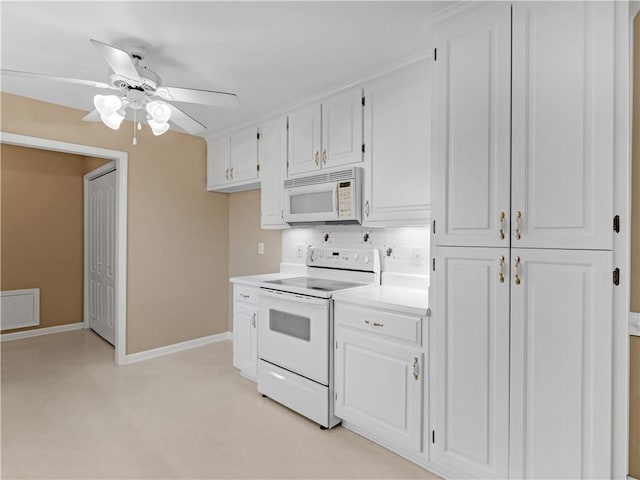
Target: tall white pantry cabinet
<point>521,296</point>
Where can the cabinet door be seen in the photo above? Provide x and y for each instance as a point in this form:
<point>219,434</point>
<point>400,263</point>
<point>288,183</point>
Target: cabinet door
<point>243,155</point>
<point>376,388</point>
<point>561,336</point>
<point>398,148</point>
<point>342,129</point>
<point>217,162</point>
<point>471,182</point>
<point>562,162</point>
<point>304,140</point>
<point>245,353</point>
<point>470,361</point>
<point>272,152</point>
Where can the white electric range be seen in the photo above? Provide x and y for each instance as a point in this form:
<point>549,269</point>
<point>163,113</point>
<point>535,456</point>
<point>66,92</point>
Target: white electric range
<point>295,329</point>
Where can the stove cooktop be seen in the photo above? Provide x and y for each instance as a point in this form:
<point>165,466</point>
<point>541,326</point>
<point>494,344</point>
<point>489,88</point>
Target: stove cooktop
<point>311,283</point>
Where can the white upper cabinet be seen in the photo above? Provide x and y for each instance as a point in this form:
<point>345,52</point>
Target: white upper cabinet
<point>470,362</point>
<point>561,354</point>
<point>232,161</point>
<point>272,150</point>
<point>326,135</point>
<point>472,128</point>
<point>397,132</point>
<point>563,54</point>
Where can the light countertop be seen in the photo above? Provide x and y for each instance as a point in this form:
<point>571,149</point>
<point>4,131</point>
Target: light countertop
<point>256,280</point>
<point>414,301</point>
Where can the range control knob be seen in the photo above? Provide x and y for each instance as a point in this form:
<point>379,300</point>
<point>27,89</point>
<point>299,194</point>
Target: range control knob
<point>321,254</point>
<point>356,256</point>
<point>366,259</point>
<point>314,256</point>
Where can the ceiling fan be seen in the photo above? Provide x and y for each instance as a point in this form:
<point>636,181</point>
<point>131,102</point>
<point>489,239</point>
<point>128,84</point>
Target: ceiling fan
<point>140,89</point>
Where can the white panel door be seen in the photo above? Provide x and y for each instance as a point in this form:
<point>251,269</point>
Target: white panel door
<point>243,155</point>
<point>342,129</point>
<point>562,160</point>
<point>561,334</point>
<point>470,361</point>
<point>472,128</point>
<point>272,153</point>
<point>379,387</point>
<point>245,355</point>
<point>398,147</point>
<point>217,162</point>
<point>304,140</point>
<point>101,255</point>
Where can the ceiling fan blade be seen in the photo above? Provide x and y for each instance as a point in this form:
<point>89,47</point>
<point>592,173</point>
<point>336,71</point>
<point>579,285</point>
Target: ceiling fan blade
<point>186,122</point>
<point>42,76</point>
<point>93,116</point>
<point>203,97</point>
<point>119,60</point>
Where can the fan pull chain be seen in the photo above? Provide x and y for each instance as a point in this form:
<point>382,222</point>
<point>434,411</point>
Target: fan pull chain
<point>135,140</point>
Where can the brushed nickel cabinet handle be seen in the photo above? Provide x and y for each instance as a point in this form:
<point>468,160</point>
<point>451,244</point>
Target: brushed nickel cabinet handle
<point>501,231</point>
<point>501,273</point>
<point>376,324</point>
<point>226,174</point>
<point>516,266</point>
<point>366,208</point>
<point>253,320</point>
<point>316,158</point>
<point>416,372</point>
<point>324,156</point>
<point>518,220</point>
<point>231,173</point>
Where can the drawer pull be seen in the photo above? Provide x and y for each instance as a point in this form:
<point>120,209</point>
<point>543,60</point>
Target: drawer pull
<point>375,324</point>
<point>244,295</point>
<point>416,372</point>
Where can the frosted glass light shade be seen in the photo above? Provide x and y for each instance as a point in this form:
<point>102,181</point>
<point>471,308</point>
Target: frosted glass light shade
<point>159,111</point>
<point>158,128</point>
<point>107,104</point>
<point>112,121</point>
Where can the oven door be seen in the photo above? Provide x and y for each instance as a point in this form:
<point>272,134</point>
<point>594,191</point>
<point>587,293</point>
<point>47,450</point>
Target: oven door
<point>293,333</point>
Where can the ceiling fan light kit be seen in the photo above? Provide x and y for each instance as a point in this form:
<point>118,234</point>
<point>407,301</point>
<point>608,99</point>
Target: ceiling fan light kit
<point>140,88</point>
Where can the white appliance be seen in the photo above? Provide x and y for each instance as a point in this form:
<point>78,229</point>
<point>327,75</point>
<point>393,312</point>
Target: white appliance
<point>295,329</point>
<point>328,197</point>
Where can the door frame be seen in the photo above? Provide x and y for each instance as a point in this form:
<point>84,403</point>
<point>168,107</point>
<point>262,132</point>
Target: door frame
<point>119,159</point>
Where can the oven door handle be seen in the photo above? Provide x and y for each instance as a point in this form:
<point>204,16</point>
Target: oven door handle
<point>293,297</point>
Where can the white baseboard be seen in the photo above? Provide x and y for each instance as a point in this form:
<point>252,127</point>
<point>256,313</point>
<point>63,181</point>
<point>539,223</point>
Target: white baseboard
<point>177,347</point>
<point>5,337</point>
<point>634,323</point>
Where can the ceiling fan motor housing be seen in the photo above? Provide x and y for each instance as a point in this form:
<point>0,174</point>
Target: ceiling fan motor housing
<point>150,80</point>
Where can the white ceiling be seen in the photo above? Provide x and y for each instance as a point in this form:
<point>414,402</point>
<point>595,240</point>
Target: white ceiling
<point>271,54</point>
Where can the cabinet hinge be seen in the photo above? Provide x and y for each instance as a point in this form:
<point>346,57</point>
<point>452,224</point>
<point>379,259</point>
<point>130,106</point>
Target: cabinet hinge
<point>336,345</point>
<point>258,167</point>
<point>433,264</point>
<point>287,123</point>
<point>363,148</point>
<point>616,277</point>
<point>335,395</point>
<point>433,436</point>
<point>258,135</point>
<point>363,100</point>
<point>429,312</point>
<point>616,224</point>
<point>433,227</point>
<point>435,54</point>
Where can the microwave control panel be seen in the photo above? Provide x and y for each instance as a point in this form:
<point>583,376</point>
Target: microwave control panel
<point>345,199</point>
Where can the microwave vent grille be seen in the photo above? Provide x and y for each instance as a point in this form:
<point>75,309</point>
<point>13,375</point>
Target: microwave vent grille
<point>320,178</point>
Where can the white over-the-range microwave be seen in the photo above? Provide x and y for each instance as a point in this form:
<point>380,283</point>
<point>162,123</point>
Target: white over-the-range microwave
<point>331,197</point>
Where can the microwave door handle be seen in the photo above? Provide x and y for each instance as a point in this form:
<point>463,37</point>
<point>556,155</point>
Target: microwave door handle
<point>336,192</point>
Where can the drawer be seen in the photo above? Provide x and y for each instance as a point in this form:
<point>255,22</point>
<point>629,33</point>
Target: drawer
<point>397,326</point>
<point>242,293</point>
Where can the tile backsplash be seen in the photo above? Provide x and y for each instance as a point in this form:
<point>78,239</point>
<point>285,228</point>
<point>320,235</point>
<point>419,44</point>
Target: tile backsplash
<point>402,250</point>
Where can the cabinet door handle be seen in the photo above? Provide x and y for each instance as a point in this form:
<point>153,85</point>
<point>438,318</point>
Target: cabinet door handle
<point>376,324</point>
<point>501,231</point>
<point>316,158</point>
<point>366,208</point>
<point>518,220</point>
<point>324,156</point>
<point>501,273</point>
<point>226,174</point>
<point>253,320</point>
<point>416,370</point>
<point>231,173</point>
<point>244,295</point>
<point>516,266</point>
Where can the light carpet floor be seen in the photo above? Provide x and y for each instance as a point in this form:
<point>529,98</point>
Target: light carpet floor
<point>69,412</point>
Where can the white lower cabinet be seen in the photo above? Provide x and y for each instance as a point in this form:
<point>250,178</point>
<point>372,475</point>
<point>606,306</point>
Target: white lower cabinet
<point>245,332</point>
<point>379,377</point>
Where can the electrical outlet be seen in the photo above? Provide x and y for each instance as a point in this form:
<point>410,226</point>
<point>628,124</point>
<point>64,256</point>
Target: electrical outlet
<point>260,248</point>
<point>418,256</point>
<point>300,251</point>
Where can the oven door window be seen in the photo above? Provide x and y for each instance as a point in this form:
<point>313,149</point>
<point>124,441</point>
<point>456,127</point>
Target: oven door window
<point>289,324</point>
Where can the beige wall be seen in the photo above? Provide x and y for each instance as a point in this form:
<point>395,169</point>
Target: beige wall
<point>244,235</point>
<point>42,237</point>
<point>178,235</point>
